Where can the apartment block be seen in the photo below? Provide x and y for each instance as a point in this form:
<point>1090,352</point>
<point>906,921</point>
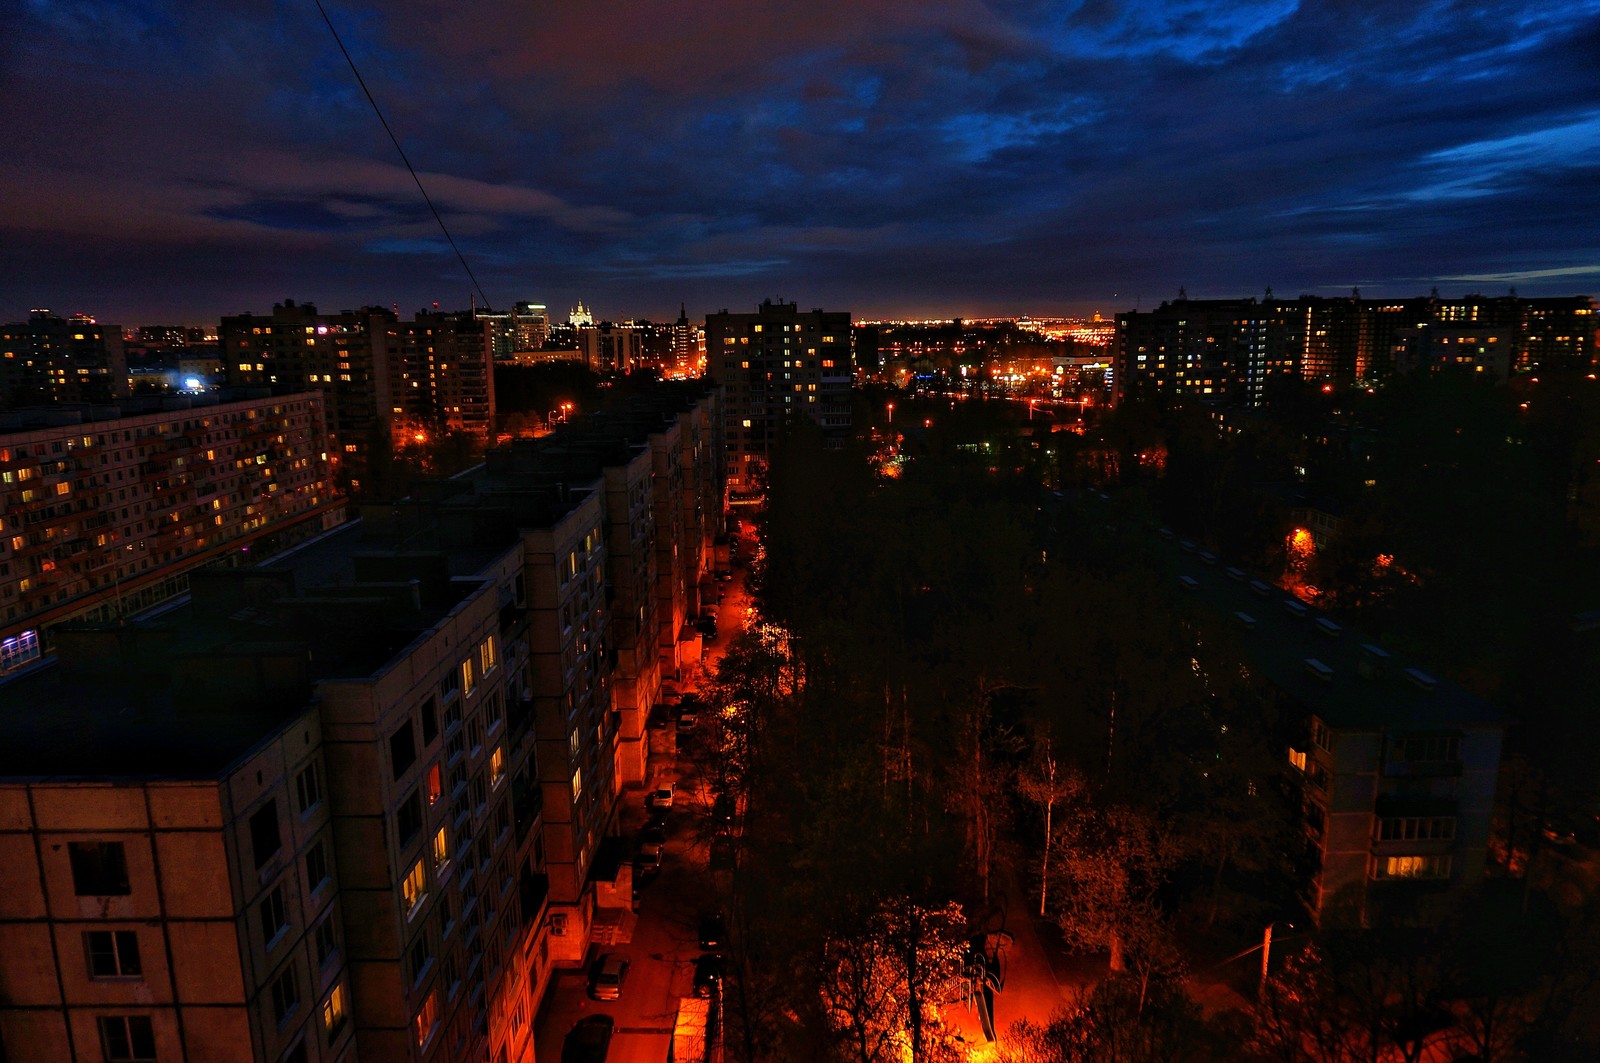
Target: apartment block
<point>1397,766</point>
<point>447,379</point>
<point>168,881</point>
<point>105,509</point>
<point>49,359</point>
<point>399,748</point>
<point>775,364</point>
<point>1227,351</point>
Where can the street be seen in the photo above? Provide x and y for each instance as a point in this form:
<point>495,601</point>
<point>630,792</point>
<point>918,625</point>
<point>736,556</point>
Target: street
<point>661,938</point>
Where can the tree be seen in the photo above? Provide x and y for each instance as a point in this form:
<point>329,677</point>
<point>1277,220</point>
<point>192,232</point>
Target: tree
<point>1044,781</point>
<point>1117,1022</point>
<point>1114,862</point>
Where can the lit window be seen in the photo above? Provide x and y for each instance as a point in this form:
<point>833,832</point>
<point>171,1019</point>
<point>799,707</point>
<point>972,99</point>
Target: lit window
<point>469,679</point>
<point>497,765</point>
<point>487,655</point>
<point>333,1011</point>
<point>441,848</point>
<point>415,888</point>
<point>427,1019</point>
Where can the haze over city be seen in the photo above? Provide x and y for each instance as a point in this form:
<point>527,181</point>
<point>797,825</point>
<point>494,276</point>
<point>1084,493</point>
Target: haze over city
<point>182,161</point>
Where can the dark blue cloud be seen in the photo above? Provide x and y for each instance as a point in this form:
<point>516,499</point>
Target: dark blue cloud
<point>920,155</point>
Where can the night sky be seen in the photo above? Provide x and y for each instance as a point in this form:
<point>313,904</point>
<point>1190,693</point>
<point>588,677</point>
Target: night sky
<point>179,161</point>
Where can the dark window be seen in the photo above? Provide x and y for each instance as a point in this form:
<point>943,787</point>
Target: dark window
<point>316,866</point>
<point>264,838</point>
<point>421,956</point>
<point>297,1054</point>
<point>274,916</point>
<point>308,788</point>
<point>113,953</point>
<point>127,1039</point>
<point>402,749</point>
<point>408,820</point>
<point>430,721</point>
<point>327,941</point>
<point>285,996</point>
<point>99,869</point>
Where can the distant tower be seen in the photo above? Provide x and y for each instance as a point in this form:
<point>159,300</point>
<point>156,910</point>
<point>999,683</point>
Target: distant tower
<point>580,315</point>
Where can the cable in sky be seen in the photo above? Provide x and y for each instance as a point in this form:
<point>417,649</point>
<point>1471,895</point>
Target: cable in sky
<point>396,141</point>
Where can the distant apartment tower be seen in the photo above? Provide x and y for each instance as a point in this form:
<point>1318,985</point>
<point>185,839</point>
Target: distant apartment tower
<point>48,359</point>
<point>447,377</point>
<point>105,510</point>
<point>776,364</point>
<point>611,348</point>
<point>532,326</point>
<point>352,358</point>
<point>378,375</point>
<point>1228,351</point>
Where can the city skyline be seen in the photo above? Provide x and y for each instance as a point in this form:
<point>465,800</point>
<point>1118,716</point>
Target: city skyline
<point>952,159</point>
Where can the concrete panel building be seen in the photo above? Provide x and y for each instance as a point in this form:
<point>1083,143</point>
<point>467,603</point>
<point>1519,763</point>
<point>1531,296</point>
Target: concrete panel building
<point>775,364</point>
<point>105,509</point>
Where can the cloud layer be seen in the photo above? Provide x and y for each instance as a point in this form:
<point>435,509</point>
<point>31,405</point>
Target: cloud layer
<point>183,160</point>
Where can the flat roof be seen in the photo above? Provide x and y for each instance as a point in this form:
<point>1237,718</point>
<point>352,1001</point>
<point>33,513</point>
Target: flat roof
<point>171,696</point>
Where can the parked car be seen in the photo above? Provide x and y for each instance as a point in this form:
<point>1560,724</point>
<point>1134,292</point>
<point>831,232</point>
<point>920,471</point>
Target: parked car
<point>707,625</point>
<point>687,721</point>
<point>588,1041</point>
<point>661,796</point>
<point>606,976</point>
<point>712,931</point>
<point>649,861</point>
<point>722,809</point>
<point>708,975</point>
<point>653,833</point>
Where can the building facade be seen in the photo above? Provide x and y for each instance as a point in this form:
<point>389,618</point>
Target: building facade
<point>447,376</point>
<point>103,515</point>
<point>382,379</point>
<point>775,364</point>
<point>1228,351</point>
<point>49,359</point>
<point>1396,767</point>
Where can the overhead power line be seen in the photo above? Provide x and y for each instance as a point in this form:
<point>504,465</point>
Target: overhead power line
<point>396,141</point>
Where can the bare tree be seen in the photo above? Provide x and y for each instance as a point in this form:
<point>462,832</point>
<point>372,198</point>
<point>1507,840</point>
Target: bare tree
<point>1044,781</point>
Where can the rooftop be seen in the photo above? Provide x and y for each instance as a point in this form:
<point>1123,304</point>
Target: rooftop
<point>188,692</point>
<point>1349,681</point>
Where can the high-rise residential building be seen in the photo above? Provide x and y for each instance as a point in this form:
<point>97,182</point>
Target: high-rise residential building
<point>49,359</point>
<point>104,510</point>
<point>379,376</point>
<point>776,364</point>
<point>532,325</point>
<point>447,376</point>
<point>1227,351</point>
<point>339,852</point>
<point>405,820</point>
<point>611,348</point>
<point>353,358</point>
<point>499,328</point>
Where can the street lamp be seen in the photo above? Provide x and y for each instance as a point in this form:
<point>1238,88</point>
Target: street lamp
<point>891,413</point>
